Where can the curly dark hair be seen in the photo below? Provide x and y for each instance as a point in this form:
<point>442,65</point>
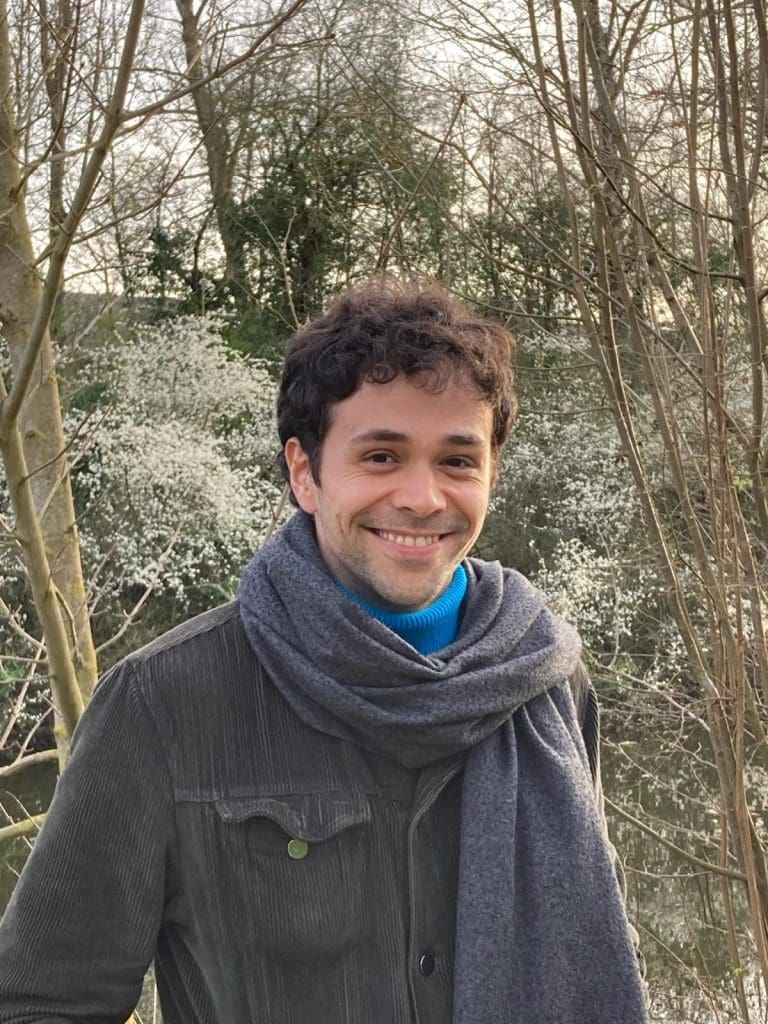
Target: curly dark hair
<point>378,331</point>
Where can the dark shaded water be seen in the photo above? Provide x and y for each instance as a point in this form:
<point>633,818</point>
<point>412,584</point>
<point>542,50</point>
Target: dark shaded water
<point>658,770</point>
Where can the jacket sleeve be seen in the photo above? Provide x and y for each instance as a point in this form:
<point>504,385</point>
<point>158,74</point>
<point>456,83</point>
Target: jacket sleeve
<point>82,924</point>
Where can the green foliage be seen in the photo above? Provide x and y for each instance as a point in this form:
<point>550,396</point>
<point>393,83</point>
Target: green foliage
<point>327,204</point>
<point>527,241</point>
<point>167,270</point>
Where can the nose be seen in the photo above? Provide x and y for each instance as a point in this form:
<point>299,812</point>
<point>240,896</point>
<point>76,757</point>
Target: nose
<point>418,491</point>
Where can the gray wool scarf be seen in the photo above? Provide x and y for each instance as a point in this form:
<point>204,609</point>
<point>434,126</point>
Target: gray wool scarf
<point>541,932</point>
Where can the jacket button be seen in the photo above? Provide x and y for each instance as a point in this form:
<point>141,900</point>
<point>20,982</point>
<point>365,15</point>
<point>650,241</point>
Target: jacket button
<point>427,964</point>
<point>298,849</point>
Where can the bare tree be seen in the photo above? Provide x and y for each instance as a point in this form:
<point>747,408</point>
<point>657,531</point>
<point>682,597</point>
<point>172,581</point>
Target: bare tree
<point>688,137</point>
<point>32,441</point>
<point>655,121</point>
<point>225,119</point>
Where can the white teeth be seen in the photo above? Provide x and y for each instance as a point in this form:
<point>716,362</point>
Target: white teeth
<point>409,542</point>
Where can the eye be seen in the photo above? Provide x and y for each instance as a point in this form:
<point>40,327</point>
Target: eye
<point>459,462</point>
<point>379,458</point>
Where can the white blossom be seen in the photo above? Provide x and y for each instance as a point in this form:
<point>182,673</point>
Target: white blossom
<point>183,460</point>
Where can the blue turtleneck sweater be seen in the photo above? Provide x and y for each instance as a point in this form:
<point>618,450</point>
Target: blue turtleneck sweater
<point>430,628</point>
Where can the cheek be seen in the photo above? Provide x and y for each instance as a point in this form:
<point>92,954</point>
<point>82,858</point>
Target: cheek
<point>360,492</point>
<point>476,508</point>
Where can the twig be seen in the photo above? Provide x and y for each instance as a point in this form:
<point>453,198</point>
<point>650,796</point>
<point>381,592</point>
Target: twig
<point>691,858</point>
<point>171,97</point>
<point>22,763</point>
<point>34,729</point>
<point>384,253</point>
<point>18,704</point>
<point>129,618</point>
<point>17,627</point>
<point>11,405</point>
<point>22,828</point>
<point>277,513</point>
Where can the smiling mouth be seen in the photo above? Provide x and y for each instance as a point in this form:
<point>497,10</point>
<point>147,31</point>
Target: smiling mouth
<point>408,540</point>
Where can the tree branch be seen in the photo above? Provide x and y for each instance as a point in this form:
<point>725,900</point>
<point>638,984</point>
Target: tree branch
<point>11,405</point>
<point>22,828</point>
<point>699,862</point>
<point>171,97</point>
<point>21,764</point>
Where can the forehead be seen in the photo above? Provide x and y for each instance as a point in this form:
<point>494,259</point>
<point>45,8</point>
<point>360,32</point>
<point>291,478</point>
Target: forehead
<point>409,409</point>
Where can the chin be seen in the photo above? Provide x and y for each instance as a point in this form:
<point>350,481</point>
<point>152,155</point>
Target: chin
<point>389,590</point>
<point>411,602</point>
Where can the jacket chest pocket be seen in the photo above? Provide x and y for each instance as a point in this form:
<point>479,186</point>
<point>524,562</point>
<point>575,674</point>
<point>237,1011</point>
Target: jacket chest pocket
<point>302,866</point>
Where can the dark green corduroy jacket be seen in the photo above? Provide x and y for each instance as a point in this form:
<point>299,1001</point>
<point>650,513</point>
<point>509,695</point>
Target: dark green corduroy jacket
<point>275,874</point>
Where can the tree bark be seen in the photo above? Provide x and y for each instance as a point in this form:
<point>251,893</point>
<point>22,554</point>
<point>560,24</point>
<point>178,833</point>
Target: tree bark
<point>40,423</point>
<point>218,152</point>
<point>56,44</point>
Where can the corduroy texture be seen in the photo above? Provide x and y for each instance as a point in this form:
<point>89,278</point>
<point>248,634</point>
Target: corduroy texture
<point>542,936</point>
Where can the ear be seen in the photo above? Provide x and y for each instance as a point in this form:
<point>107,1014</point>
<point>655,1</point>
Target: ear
<point>302,482</point>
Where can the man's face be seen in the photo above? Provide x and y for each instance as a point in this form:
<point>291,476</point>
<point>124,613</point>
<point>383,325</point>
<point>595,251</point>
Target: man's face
<point>405,479</point>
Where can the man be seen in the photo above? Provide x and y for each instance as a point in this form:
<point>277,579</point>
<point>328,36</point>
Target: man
<point>364,793</point>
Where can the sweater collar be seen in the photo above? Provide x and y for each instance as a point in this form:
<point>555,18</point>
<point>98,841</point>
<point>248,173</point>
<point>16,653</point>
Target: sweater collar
<point>428,629</point>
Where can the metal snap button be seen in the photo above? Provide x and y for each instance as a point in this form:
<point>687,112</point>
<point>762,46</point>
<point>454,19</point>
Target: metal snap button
<point>298,849</point>
<point>427,964</point>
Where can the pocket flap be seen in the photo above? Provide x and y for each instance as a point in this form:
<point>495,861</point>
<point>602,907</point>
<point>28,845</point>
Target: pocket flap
<point>310,816</point>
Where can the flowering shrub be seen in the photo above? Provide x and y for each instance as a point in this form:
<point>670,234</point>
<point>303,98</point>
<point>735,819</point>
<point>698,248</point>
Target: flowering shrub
<point>172,445</point>
<point>595,591</point>
<point>176,487</point>
<point>566,513</point>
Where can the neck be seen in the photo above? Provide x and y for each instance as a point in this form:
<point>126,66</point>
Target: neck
<point>428,629</point>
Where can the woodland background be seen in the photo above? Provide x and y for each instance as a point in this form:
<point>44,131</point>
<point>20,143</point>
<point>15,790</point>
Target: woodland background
<point>181,185</point>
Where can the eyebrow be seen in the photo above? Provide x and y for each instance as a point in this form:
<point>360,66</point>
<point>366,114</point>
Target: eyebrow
<point>397,437</point>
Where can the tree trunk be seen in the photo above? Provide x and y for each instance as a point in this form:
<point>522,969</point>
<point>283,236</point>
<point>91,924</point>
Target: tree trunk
<point>219,158</point>
<point>40,423</point>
